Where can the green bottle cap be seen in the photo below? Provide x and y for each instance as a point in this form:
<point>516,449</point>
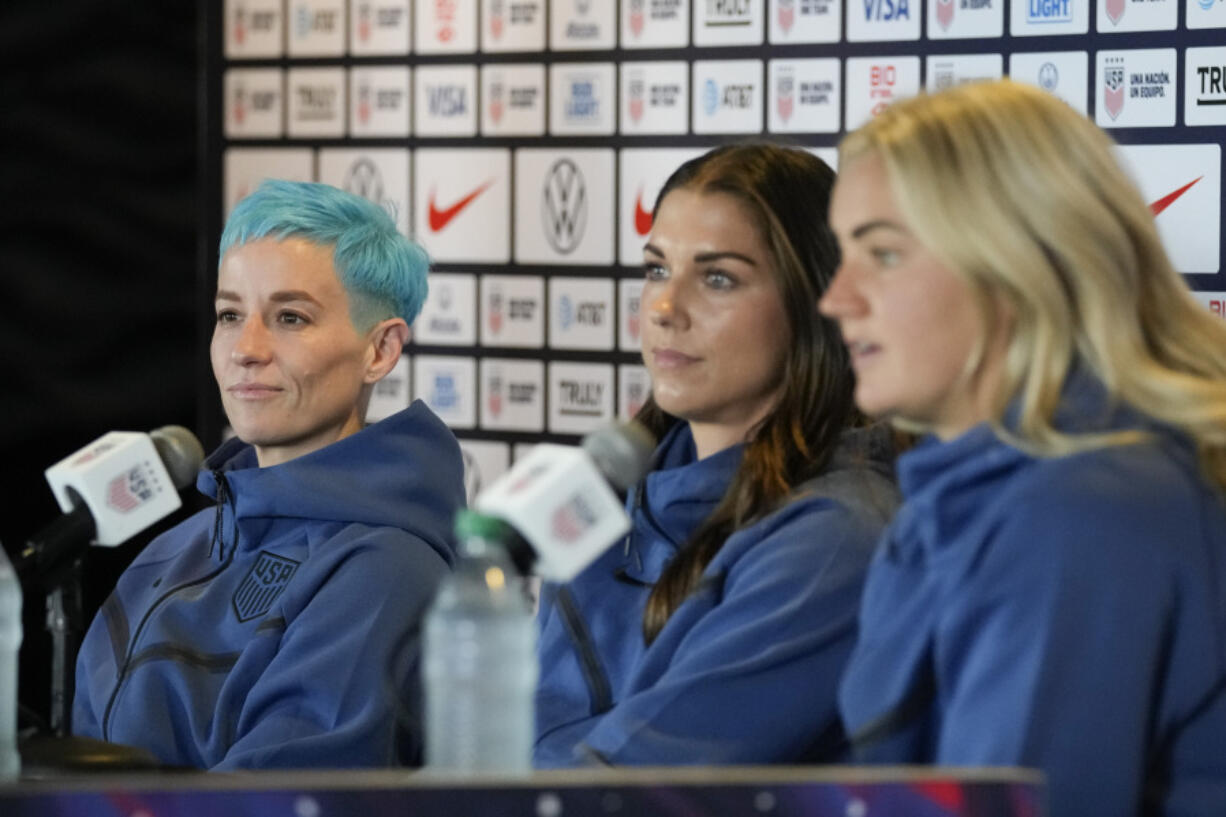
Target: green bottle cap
<point>470,524</point>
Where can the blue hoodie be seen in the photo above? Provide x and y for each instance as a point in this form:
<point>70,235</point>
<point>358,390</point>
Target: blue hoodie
<point>1064,613</point>
<point>279,630</point>
<point>745,670</point>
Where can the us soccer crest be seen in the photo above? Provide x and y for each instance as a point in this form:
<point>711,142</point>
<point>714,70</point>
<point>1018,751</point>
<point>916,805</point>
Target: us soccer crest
<point>636,17</point>
<point>787,14</point>
<point>945,13</point>
<point>240,24</point>
<point>635,92</point>
<point>364,103</point>
<point>1115,10</point>
<point>364,22</point>
<point>240,104</point>
<point>1113,87</point>
<point>496,19</point>
<point>785,90</point>
<point>496,104</point>
<point>495,314</point>
<point>263,585</point>
<point>494,398</point>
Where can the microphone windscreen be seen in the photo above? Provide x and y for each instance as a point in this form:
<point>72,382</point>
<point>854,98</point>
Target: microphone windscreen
<point>181,453</point>
<point>622,452</point>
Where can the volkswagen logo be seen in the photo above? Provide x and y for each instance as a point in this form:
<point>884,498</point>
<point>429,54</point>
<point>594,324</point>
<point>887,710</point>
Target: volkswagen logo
<point>564,206</point>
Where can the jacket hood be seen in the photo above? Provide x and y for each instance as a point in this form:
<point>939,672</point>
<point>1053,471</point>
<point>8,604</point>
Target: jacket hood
<point>946,483</point>
<point>403,472</point>
<point>681,491</point>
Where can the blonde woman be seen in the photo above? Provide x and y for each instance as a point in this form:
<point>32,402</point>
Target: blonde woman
<point>1053,591</point>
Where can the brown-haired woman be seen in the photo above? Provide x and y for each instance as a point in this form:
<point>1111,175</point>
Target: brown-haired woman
<point>716,633</point>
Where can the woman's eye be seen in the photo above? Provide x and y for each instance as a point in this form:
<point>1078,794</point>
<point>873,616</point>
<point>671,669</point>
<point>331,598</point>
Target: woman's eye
<point>226,316</point>
<point>718,279</point>
<point>291,318</point>
<point>654,272</point>
<point>884,257</point>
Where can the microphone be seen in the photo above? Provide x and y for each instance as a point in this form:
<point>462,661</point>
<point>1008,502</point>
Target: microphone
<point>561,500</point>
<point>111,490</point>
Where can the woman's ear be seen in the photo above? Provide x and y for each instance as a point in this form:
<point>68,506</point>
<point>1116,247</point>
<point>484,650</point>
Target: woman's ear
<point>387,341</point>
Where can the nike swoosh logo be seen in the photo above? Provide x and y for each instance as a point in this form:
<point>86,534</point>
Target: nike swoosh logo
<point>1169,199</point>
<point>642,218</point>
<point>440,218</point>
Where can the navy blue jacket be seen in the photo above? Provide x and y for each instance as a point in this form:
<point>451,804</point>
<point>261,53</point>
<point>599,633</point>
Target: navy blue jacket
<point>745,671</point>
<point>1064,613</point>
<point>280,629</point>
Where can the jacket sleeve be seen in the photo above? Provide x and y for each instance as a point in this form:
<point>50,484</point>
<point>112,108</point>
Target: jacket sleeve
<point>326,698</point>
<point>1051,646</point>
<point>745,672</point>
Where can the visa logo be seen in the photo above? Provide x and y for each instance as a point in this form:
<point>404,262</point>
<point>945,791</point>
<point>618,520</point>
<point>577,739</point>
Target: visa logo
<point>886,10</point>
<point>447,100</point>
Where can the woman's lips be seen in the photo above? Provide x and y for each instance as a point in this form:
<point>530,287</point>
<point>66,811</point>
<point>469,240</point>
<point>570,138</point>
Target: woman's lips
<point>671,358</point>
<point>253,391</point>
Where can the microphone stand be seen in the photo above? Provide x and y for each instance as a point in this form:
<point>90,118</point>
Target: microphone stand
<point>65,623</point>
<point>52,558</point>
<point>53,561</point>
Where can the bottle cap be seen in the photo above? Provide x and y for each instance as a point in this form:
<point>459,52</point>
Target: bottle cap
<point>470,524</point>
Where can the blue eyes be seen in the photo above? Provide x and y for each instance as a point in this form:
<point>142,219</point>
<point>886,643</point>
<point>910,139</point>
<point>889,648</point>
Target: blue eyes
<point>715,278</point>
<point>284,318</point>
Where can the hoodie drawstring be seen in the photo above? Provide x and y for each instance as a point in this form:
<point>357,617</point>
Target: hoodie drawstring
<point>224,497</point>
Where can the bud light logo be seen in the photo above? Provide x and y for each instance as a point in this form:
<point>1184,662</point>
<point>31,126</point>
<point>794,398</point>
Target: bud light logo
<point>583,103</point>
<point>445,395</point>
<point>1049,11</point>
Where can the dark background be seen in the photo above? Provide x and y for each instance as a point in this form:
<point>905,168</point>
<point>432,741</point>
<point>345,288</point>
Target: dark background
<point>99,253</point>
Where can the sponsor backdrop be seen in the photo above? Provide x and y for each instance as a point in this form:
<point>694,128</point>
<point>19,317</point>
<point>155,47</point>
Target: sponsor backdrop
<point>523,143</point>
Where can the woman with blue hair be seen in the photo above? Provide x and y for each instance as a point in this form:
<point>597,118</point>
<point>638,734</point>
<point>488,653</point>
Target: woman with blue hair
<point>279,628</point>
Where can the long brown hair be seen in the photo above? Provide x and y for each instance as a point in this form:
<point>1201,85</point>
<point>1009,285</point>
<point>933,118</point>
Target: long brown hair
<point>787,192</point>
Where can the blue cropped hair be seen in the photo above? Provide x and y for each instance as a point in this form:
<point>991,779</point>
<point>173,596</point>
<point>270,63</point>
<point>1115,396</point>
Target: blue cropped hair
<point>383,272</point>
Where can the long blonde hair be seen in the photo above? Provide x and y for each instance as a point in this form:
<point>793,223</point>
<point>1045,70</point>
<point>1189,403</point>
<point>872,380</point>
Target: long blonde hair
<point>1023,197</point>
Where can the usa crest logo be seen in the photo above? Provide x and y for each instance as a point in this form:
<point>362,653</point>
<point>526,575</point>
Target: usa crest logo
<point>635,91</point>
<point>265,582</point>
<point>787,14</point>
<point>785,88</point>
<point>945,13</point>
<point>496,19</point>
<point>1113,87</point>
<point>1115,10</point>
<point>494,319</point>
<point>636,17</point>
<point>496,103</point>
<point>494,398</point>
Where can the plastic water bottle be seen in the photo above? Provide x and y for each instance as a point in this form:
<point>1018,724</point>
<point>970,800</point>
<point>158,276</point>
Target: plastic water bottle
<point>479,663</point>
<point>10,641</point>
